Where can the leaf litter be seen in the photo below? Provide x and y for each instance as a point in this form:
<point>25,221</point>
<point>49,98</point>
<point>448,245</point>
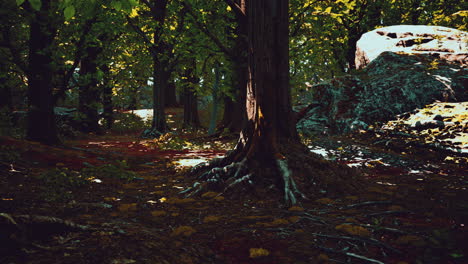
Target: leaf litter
<point>414,212</point>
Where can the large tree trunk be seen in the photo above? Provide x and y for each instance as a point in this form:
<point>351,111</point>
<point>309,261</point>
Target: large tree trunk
<point>171,98</point>
<point>269,151</point>
<point>41,119</point>
<point>89,92</point>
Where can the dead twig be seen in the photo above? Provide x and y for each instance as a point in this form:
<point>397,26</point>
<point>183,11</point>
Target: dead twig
<point>387,213</point>
<point>350,254</point>
<point>363,240</point>
<point>365,204</point>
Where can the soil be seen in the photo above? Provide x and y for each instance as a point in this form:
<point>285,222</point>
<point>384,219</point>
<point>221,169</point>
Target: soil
<point>414,210</point>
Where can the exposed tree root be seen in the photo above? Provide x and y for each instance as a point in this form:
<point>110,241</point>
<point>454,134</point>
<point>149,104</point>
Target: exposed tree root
<point>151,133</point>
<point>295,174</point>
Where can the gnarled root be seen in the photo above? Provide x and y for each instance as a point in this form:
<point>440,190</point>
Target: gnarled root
<point>290,187</point>
<point>290,174</point>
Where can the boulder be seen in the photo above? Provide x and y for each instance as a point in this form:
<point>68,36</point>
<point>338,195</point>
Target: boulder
<point>440,42</point>
<point>391,84</point>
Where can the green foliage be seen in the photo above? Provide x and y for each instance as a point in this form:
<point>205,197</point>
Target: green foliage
<point>119,170</point>
<point>128,123</point>
<point>36,4</point>
<point>69,12</point>
<point>8,128</point>
<point>9,154</point>
<point>59,184</point>
<point>169,141</point>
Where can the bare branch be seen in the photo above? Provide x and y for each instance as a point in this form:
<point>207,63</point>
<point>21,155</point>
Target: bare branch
<point>140,32</point>
<point>205,30</point>
<point>239,10</point>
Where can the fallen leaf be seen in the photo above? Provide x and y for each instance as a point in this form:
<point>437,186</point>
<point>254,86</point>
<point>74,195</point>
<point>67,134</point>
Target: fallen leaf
<point>128,207</point>
<point>258,252</point>
<point>323,258</point>
<point>211,218</point>
<point>275,222</point>
<point>158,213</point>
<point>218,198</point>
<point>184,231</point>
<point>180,201</point>
<point>353,230</point>
<point>210,195</point>
<point>296,209</point>
<point>294,219</point>
<point>324,201</point>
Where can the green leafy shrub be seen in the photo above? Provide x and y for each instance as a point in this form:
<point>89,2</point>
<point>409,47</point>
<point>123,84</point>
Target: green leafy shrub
<point>128,122</point>
<point>59,184</point>
<point>119,170</point>
<point>169,141</point>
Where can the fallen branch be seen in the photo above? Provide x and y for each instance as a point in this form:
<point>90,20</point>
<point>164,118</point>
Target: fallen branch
<point>365,204</point>
<point>349,254</point>
<point>387,213</point>
<point>363,240</point>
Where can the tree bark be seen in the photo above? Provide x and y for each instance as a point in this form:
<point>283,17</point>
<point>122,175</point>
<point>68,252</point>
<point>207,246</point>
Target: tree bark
<point>269,152</point>
<point>214,94</point>
<point>107,103</point>
<point>191,119</point>
<point>89,93</point>
<point>234,114</point>
<point>160,81</point>
<point>171,98</point>
<point>41,119</point>
<point>161,54</point>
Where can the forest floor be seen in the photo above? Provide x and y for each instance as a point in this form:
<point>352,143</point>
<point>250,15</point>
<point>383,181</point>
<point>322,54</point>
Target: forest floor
<point>115,199</point>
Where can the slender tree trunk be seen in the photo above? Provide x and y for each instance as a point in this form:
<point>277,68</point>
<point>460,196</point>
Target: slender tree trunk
<point>89,93</point>
<point>133,102</point>
<point>107,103</point>
<point>159,125</point>
<point>191,119</point>
<point>214,93</point>
<point>234,114</point>
<point>41,119</point>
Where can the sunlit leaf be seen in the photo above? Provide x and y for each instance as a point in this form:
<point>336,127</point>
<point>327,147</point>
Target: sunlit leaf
<point>69,12</point>
<point>258,252</point>
<point>36,4</point>
<point>19,2</point>
<point>117,5</point>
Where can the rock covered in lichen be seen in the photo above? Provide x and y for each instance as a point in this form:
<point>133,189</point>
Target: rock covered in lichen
<point>390,85</point>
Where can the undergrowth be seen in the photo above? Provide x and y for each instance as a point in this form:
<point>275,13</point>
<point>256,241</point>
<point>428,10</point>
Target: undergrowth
<point>129,123</point>
<point>59,184</point>
<point>119,170</point>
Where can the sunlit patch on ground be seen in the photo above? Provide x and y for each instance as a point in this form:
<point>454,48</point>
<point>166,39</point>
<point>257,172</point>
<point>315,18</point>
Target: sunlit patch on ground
<point>193,162</point>
<point>145,114</point>
<point>357,157</point>
<point>443,124</point>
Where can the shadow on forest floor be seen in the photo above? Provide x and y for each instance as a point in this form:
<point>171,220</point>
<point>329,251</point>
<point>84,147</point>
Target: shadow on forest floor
<point>114,199</point>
